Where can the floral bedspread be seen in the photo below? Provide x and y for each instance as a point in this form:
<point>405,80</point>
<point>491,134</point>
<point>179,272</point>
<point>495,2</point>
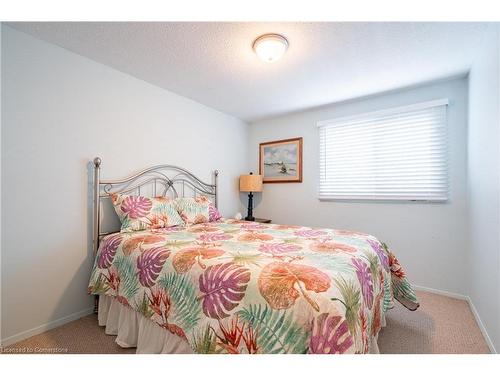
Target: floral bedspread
<point>243,287</point>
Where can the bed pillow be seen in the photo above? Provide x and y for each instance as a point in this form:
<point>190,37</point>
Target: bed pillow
<point>194,210</point>
<point>213,213</point>
<point>137,212</point>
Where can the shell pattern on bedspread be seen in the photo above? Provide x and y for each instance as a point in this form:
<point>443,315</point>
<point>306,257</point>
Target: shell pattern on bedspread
<point>238,287</point>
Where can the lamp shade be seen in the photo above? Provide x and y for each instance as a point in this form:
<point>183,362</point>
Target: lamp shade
<point>251,182</point>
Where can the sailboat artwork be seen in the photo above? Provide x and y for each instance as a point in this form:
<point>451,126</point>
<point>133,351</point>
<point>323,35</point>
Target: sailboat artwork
<point>281,161</point>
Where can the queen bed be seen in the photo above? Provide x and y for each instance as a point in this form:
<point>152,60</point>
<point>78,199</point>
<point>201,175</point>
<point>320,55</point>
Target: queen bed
<point>229,286</point>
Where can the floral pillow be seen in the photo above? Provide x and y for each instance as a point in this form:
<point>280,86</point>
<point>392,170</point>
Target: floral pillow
<point>138,213</point>
<point>194,210</point>
<point>213,213</point>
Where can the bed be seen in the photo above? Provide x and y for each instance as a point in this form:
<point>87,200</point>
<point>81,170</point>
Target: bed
<point>238,287</point>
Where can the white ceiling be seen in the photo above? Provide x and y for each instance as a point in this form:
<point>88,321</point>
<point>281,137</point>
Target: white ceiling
<point>213,63</point>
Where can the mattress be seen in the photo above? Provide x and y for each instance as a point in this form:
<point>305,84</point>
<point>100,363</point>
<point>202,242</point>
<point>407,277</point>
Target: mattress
<point>244,287</point>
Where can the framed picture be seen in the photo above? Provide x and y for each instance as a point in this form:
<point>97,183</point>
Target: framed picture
<point>281,161</point>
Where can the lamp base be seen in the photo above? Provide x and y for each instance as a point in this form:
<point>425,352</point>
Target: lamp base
<point>250,208</point>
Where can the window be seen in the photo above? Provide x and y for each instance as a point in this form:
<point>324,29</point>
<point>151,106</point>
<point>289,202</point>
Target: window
<point>396,154</point>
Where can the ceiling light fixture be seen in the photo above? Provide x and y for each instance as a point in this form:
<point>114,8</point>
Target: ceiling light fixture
<point>270,47</point>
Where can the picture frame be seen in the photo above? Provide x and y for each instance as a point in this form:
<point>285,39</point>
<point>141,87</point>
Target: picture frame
<point>281,161</point>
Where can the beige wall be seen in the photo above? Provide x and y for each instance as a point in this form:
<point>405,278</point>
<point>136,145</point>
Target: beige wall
<point>483,262</point>
<point>429,238</point>
<point>59,111</point>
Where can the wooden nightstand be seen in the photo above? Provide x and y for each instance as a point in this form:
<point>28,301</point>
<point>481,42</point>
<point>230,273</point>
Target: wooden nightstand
<point>264,221</point>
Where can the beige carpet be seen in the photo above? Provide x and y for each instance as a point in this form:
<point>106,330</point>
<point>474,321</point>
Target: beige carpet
<point>440,325</point>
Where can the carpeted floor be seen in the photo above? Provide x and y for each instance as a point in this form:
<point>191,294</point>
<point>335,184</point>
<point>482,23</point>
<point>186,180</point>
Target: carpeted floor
<point>441,325</point>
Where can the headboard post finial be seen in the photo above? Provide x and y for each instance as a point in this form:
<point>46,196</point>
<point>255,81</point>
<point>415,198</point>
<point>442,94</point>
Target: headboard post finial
<point>97,162</point>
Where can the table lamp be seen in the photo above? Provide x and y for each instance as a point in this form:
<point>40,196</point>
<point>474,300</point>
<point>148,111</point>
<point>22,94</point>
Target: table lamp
<point>251,183</point>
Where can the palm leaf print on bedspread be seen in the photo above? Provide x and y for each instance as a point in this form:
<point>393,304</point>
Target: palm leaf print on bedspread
<point>239,287</point>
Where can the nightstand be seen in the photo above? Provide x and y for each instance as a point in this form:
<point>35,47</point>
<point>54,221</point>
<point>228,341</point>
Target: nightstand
<point>264,221</point>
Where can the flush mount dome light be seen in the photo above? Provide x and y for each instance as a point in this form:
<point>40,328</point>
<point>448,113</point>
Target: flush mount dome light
<point>270,47</point>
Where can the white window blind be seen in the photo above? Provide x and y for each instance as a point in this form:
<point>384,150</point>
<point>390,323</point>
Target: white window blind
<point>396,154</point>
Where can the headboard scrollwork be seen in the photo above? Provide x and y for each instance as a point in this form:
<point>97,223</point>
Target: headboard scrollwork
<point>160,180</point>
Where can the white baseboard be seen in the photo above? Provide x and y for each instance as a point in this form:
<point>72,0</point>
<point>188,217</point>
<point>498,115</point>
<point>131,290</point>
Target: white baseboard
<point>440,292</point>
<point>481,326</point>
<point>472,307</point>
<point>45,327</point>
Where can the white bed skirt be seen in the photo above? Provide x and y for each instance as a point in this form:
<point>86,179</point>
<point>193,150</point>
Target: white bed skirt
<point>133,330</point>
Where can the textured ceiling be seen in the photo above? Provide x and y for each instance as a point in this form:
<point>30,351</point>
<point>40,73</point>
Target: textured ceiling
<point>213,63</point>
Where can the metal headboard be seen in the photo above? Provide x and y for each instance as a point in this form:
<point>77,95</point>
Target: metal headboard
<point>162,179</point>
